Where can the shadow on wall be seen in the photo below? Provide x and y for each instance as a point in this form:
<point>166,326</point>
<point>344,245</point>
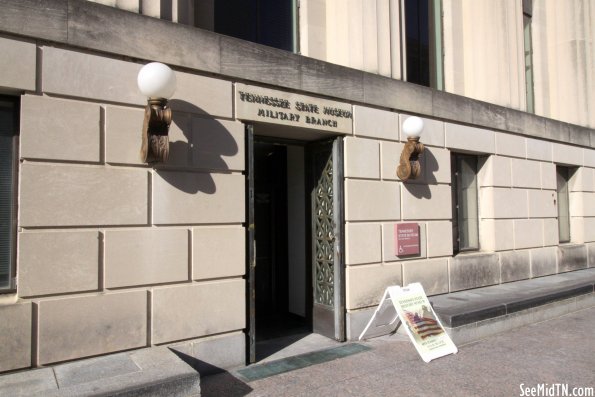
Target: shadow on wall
<point>205,143</point>
<point>420,188</point>
<point>431,166</point>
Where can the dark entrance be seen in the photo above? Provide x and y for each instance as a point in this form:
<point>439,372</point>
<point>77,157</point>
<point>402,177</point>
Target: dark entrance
<point>295,273</point>
<point>275,316</point>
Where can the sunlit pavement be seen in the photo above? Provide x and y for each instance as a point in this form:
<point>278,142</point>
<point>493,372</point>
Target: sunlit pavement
<point>558,351</point>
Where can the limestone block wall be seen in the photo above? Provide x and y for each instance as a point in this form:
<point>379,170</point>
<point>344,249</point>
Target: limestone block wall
<point>362,34</point>
<point>114,254</point>
<point>582,205</point>
<point>181,11</point>
<point>517,198</point>
<point>483,45</point>
<point>483,51</point>
<point>564,59</point>
<point>375,200</point>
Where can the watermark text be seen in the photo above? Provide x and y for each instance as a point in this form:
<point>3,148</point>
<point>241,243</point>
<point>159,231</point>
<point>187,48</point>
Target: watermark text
<point>555,390</point>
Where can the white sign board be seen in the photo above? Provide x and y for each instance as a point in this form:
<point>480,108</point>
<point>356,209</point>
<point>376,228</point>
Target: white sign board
<point>278,107</point>
<point>421,323</point>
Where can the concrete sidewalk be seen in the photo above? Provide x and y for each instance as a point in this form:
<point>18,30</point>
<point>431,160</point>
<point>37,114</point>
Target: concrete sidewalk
<point>561,350</point>
<point>145,372</point>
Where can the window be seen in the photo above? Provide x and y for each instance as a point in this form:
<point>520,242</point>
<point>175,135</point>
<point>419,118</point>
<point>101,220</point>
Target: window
<point>8,142</point>
<point>562,177</point>
<point>465,222</point>
<point>423,42</point>
<point>527,18</point>
<point>268,22</point>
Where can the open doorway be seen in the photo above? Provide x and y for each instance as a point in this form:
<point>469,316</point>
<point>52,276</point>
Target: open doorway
<point>280,238</point>
<point>295,234</point>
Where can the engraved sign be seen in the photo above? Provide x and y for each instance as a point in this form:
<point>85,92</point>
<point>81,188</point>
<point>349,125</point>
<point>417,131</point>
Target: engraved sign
<point>278,107</point>
<point>406,239</point>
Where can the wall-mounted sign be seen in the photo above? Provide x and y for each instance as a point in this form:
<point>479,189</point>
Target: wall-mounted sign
<point>406,239</point>
<point>278,107</point>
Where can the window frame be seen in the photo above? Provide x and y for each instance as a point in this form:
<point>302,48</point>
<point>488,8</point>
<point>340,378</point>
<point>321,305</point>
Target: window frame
<point>435,45</point>
<point>565,173</point>
<point>15,105</point>
<point>456,192</point>
<point>254,28</point>
<point>528,57</point>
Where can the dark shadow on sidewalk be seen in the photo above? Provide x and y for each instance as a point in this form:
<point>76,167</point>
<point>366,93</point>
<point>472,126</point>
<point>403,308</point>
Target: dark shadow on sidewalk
<point>267,348</point>
<point>215,381</point>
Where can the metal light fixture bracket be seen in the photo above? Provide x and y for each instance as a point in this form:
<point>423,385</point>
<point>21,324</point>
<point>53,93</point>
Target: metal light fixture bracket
<point>155,139</point>
<point>409,166</point>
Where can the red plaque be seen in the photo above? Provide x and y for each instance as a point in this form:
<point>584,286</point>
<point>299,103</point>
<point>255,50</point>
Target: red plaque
<point>406,239</point>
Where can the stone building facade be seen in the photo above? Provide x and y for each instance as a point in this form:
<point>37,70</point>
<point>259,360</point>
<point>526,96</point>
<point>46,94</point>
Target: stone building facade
<point>109,254</point>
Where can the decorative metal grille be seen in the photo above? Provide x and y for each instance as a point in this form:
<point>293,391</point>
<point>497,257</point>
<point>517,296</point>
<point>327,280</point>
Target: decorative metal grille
<point>324,233</point>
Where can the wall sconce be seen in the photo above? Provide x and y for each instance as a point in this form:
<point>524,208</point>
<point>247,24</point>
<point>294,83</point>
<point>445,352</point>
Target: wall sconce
<point>158,82</point>
<point>409,167</point>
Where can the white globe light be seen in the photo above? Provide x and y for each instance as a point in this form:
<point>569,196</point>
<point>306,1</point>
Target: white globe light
<point>413,126</point>
<point>156,80</point>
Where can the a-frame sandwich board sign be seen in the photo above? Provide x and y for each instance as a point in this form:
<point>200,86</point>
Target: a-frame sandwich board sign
<point>410,304</point>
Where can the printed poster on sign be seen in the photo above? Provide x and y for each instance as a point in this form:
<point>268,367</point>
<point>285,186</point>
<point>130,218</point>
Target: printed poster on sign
<point>421,323</point>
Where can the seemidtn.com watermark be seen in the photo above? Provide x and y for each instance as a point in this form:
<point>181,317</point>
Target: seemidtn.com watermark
<point>555,390</point>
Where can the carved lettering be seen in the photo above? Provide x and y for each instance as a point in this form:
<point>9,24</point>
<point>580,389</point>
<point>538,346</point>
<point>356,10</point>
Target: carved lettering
<point>323,122</point>
<point>306,107</point>
<point>278,115</point>
<point>337,112</point>
<point>272,106</point>
<point>264,100</point>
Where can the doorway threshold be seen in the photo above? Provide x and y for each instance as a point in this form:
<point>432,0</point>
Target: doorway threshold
<point>274,367</point>
<point>292,345</point>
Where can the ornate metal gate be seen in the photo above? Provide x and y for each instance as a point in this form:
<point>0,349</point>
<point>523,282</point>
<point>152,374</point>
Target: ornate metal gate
<point>324,233</point>
<point>327,242</point>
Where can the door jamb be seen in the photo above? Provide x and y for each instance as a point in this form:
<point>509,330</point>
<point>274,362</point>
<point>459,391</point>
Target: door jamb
<point>250,249</point>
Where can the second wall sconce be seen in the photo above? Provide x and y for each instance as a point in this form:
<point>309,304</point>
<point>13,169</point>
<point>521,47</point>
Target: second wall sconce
<point>158,82</point>
<point>409,167</point>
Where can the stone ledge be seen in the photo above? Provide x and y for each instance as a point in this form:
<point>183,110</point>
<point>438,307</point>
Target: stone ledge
<point>84,24</point>
<point>466,307</point>
<point>482,329</point>
<point>154,371</point>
